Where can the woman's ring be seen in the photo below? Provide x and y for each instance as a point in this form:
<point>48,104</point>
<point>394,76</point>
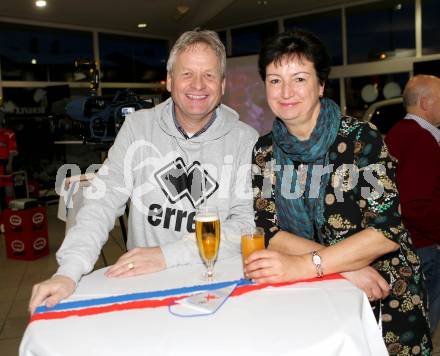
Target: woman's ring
<point>130,265</point>
<point>370,297</point>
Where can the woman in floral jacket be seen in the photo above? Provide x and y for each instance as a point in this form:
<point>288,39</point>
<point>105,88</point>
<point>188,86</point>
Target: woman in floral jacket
<point>326,197</point>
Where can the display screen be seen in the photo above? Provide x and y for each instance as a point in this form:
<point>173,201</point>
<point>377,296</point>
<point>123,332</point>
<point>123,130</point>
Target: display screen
<point>245,93</point>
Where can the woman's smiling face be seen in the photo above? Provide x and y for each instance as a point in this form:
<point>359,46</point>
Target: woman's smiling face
<point>293,91</point>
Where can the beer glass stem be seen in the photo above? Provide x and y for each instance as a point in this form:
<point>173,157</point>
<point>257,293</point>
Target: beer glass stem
<point>210,269</point>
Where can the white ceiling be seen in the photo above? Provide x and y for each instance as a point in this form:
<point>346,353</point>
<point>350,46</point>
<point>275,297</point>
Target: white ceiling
<point>162,16</point>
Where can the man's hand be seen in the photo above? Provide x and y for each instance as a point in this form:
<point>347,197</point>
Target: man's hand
<point>51,290</point>
<point>370,281</point>
<point>140,260</point>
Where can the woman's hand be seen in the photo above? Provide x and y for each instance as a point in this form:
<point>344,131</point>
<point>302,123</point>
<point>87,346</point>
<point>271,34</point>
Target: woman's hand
<point>370,281</point>
<point>266,266</point>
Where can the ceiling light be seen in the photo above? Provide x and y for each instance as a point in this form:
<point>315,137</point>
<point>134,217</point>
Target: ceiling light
<point>40,3</point>
<point>399,7</point>
<point>34,61</point>
<point>142,25</point>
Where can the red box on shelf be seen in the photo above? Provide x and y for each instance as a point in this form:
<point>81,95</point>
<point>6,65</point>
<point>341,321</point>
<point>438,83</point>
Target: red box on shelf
<point>26,233</point>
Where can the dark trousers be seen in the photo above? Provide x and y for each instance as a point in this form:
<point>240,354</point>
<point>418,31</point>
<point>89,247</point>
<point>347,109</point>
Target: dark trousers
<point>430,257</point>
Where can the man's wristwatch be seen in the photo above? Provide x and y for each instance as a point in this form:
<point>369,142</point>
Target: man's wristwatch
<point>316,259</point>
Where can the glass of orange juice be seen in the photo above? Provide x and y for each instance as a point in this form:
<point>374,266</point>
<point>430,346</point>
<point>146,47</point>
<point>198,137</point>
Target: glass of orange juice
<point>252,239</point>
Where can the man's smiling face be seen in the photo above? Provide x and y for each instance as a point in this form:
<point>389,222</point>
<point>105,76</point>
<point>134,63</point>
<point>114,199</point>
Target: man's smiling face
<point>196,84</point>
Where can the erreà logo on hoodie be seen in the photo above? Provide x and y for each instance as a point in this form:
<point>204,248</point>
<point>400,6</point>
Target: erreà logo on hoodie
<point>178,181</point>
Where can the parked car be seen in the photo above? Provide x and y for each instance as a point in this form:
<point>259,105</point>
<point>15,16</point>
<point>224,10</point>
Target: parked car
<point>385,113</point>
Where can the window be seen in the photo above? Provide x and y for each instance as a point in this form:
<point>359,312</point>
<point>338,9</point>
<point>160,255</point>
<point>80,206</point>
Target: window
<point>41,54</point>
<point>327,26</point>
<point>431,26</point>
<point>380,30</point>
<point>131,59</point>
<point>248,40</point>
<point>361,92</point>
<point>332,90</point>
<point>154,95</point>
<point>222,35</point>
<point>25,114</point>
<point>431,67</point>
<point>385,114</point>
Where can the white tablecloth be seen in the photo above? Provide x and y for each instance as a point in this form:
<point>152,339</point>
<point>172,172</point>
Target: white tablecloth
<point>315,318</point>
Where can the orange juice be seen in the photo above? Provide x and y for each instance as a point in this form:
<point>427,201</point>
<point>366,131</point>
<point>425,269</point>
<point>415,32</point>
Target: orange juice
<point>251,243</point>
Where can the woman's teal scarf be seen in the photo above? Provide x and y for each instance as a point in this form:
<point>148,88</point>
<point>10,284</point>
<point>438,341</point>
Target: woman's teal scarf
<point>303,215</point>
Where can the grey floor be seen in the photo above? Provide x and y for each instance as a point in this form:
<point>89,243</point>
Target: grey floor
<point>17,278</point>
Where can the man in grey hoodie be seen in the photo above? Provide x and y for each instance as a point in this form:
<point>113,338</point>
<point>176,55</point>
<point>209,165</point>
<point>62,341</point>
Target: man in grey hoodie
<point>167,160</point>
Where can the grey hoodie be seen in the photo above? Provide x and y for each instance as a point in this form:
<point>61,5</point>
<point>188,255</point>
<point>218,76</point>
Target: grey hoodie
<point>162,173</point>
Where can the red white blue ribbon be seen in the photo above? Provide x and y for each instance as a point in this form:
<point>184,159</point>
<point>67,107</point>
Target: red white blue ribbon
<point>153,299</point>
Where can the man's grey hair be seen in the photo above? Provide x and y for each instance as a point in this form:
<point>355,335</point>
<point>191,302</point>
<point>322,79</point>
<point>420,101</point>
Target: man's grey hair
<point>191,38</point>
<point>417,87</point>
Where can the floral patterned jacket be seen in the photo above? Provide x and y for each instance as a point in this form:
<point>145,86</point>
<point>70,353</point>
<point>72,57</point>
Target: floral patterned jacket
<point>348,209</point>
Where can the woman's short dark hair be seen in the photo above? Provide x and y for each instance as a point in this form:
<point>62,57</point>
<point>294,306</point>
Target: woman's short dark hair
<point>295,43</point>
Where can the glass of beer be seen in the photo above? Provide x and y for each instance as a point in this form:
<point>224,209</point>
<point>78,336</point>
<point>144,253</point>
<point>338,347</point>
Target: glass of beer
<point>208,237</point>
<point>252,239</point>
